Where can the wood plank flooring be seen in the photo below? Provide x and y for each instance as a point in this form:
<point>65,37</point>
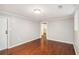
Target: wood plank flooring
<point>33,48</point>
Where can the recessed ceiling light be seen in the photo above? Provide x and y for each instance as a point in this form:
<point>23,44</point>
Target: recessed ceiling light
<point>37,11</point>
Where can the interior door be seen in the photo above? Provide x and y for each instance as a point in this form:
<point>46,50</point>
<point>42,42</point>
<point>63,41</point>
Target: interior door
<point>3,33</point>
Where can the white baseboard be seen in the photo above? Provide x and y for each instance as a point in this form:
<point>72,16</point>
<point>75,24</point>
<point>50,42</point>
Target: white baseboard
<point>3,49</point>
<point>61,41</point>
<point>20,43</point>
<point>35,39</point>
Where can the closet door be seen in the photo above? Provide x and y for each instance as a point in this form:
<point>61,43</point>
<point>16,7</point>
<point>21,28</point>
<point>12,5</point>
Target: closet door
<point>3,35</point>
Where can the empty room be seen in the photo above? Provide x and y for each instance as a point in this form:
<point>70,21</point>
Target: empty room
<point>39,29</point>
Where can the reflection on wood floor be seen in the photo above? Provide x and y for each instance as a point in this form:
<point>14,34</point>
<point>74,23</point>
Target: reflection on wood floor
<point>33,48</point>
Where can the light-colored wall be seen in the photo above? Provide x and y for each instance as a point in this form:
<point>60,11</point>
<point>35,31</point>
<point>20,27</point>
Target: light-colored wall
<point>3,36</point>
<point>61,29</point>
<point>76,31</point>
<point>76,42</point>
<point>21,30</point>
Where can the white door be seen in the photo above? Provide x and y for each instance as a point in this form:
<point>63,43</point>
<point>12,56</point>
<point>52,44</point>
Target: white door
<point>3,34</point>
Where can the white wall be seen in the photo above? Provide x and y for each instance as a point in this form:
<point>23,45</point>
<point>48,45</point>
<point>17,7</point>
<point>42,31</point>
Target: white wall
<point>76,31</point>
<point>61,29</point>
<point>3,36</point>
<point>21,29</point>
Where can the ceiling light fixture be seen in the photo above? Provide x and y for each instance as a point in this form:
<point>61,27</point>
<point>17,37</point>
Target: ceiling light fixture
<point>60,6</point>
<point>37,11</point>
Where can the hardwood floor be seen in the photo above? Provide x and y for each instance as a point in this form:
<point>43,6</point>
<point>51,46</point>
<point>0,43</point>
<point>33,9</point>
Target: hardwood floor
<point>4,52</point>
<point>33,48</point>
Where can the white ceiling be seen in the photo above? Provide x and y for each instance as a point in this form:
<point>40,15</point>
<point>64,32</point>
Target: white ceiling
<point>47,10</point>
